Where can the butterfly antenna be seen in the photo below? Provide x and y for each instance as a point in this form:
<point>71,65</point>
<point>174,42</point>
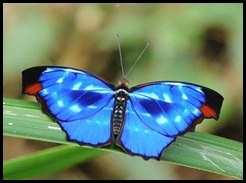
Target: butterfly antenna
<point>138,59</point>
<point>121,62</point>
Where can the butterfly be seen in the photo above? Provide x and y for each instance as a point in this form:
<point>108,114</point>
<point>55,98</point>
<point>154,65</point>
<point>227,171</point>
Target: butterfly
<point>142,120</point>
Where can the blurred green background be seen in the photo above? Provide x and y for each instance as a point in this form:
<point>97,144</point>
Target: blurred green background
<point>198,43</point>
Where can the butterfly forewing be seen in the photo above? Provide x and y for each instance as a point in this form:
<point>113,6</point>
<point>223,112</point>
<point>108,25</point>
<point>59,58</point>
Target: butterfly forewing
<point>171,107</point>
<point>81,103</point>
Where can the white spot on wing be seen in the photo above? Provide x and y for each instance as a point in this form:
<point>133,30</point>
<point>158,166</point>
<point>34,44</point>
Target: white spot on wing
<point>167,98</point>
<point>76,86</point>
<point>146,131</point>
<point>60,103</point>
<point>154,96</point>
<point>45,92</point>
<point>75,108</point>
<point>197,112</point>
<point>177,119</point>
<point>90,87</point>
<point>184,96</point>
<point>161,120</point>
<point>186,112</point>
<point>60,80</point>
<point>92,107</point>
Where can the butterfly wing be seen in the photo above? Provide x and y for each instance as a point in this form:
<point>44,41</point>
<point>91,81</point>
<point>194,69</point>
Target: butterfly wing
<point>137,138</point>
<point>158,112</point>
<point>80,102</point>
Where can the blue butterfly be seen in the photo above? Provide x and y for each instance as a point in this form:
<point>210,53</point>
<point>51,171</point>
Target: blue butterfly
<point>142,120</point>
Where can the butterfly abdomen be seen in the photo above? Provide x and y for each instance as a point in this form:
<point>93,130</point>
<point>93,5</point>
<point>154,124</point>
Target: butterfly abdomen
<point>118,115</point>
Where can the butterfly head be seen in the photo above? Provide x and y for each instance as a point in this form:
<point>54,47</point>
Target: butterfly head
<point>123,82</point>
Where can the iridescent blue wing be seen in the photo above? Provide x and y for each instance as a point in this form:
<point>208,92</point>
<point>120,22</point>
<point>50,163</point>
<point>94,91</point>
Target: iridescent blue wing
<point>81,103</point>
<point>158,112</point>
<point>137,138</point>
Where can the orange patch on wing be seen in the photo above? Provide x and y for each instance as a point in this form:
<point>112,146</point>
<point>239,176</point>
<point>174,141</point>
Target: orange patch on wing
<point>33,89</point>
<point>208,112</point>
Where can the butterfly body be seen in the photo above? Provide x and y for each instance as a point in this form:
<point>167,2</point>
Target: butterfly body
<point>142,120</point>
<point>118,115</point>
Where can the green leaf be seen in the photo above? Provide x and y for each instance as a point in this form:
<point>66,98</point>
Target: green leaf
<point>47,161</point>
<point>196,150</point>
<point>25,119</point>
<point>207,152</point>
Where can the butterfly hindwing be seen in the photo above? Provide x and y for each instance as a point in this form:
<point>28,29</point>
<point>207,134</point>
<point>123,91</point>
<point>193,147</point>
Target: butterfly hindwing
<point>137,138</point>
<point>80,102</point>
<point>94,130</point>
<point>165,110</point>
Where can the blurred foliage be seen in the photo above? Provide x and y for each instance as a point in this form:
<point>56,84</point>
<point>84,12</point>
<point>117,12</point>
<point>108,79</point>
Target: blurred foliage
<point>197,42</point>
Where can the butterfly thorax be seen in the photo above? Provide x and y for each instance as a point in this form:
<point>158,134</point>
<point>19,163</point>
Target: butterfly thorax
<point>118,115</point>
